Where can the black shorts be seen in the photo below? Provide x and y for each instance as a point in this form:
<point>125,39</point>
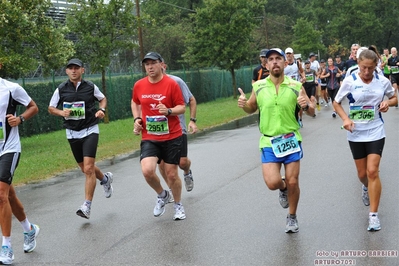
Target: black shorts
<point>310,90</point>
<point>169,151</point>
<point>394,79</point>
<point>85,147</point>
<point>323,87</point>
<point>360,150</point>
<point>8,164</point>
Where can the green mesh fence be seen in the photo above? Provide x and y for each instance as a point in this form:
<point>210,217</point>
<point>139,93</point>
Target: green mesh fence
<point>205,84</point>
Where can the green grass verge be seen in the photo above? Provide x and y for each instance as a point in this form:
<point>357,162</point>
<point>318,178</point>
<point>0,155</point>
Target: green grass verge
<point>46,155</point>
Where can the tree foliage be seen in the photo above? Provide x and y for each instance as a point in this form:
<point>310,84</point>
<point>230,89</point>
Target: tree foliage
<point>29,38</point>
<point>166,26</point>
<point>222,35</point>
<point>103,30</point>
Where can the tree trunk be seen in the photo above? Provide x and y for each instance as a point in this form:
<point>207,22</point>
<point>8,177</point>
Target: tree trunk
<point>104,90</point>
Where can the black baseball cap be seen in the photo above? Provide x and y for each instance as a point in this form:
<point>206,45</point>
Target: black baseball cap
<point>152,56</point>
<point>263,52</point>
<point>75,61</point>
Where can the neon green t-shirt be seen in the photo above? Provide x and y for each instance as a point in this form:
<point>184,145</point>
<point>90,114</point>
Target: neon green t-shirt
<point>277,112</point>
<point>385,60</point>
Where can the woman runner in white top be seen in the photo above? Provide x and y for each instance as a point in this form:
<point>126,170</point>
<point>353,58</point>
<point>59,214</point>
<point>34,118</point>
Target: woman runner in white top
<point>367,92</point>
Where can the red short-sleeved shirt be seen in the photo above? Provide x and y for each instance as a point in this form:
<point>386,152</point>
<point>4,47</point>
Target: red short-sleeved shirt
<point>148,95</point>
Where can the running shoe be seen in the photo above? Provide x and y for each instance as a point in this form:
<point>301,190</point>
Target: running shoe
<point>189,181</point>
<point>108,190</point>
<point>179,212</point>
<point>84,211</point>
<point>365,196</point>
<point>374,223</point>
<point>30,238</point>
<point>334,114</point>
<point>159,208</point>
<point>318,107</point>
<point>292,225</point>
<point>283,196</point>
<point>171,199</point>
<point>6,255</point>
<point>322,101</point>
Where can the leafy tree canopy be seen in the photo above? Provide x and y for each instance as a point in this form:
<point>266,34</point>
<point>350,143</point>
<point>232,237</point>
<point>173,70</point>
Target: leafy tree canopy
<point>29,38</point>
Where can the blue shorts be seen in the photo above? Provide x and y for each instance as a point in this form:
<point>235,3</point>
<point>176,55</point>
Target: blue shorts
<point>267,156</point>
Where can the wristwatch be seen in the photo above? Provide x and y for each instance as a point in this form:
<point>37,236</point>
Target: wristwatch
<point>169,111</point>
<point>102,109</point>
<point>306,108</point>
<point>193,119</point>
<point>22,119</point>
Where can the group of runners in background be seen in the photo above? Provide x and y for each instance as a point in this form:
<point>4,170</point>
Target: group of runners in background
<point>322,79</point>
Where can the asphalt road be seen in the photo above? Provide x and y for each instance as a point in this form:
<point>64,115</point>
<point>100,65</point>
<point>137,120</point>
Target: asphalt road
<point>232,218</point>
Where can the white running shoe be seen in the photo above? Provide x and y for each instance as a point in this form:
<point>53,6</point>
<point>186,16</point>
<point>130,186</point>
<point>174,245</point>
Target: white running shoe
<point>292,225</point>
<point>108,189</point>
<point>189,181</point>
<point>30,238</point>
<point>84,211</point>
<point>179,212</point>
<point>374,223</point>
<point>6,255</point>
<point>283,196</point>
<point>159,208</point>
<point>365,196</point>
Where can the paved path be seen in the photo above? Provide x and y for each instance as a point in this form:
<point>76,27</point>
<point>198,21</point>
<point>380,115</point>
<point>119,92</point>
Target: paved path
<point>232,218</point>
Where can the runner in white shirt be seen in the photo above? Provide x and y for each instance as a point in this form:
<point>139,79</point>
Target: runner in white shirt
<point>314,64</point>
<point>12,95</point>
<point>366,92</point>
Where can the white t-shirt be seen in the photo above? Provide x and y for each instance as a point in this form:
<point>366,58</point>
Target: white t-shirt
<point>364,100</point>
<point>292,71</point>
<point>314,65</point>
<point>11,95</point>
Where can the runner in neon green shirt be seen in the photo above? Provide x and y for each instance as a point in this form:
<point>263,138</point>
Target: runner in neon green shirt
<point>278,99</point>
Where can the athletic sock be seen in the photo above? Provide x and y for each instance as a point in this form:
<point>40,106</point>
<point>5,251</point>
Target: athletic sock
<point>6,241</point>
<point>26,225</point>
<point>162,194</point>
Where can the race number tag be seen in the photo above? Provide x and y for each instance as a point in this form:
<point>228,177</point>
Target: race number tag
<point>361,114</point>
<point>309,78</point>
<point>395,69</point>
<point>284,145</point>
<point>157,125</point>
<point>77,110</point>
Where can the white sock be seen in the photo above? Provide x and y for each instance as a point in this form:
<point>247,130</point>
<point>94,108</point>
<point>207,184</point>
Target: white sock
<point>26,225</point>
<point>6,241</point>
<point>373,213</point>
